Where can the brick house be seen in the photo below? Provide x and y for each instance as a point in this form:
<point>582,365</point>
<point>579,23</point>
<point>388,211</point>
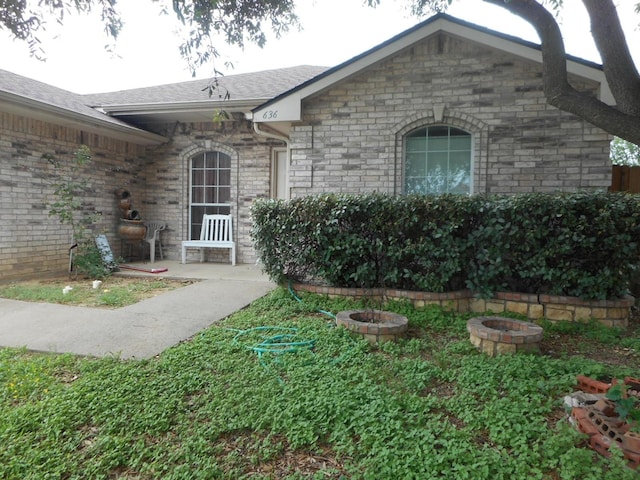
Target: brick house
<point>446,106</point>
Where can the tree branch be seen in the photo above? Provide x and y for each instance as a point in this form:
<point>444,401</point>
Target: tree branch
<point>557,89</point>
<point>619,68</point>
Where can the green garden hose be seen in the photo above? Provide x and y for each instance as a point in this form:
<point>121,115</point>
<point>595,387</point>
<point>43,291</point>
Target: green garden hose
<point>277,344</point>
<point>274,340</point>
<point>271,346</point>
<point>324,312</point>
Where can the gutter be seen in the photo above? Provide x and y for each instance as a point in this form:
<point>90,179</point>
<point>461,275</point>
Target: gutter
<point>175,107</point>
<point>263,133</point>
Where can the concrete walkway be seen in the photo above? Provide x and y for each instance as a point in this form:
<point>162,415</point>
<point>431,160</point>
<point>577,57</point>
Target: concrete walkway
<point>144,329</point>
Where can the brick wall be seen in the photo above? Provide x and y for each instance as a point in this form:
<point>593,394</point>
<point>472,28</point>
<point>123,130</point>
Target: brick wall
<point>31,242</point>
<point>351,137</point>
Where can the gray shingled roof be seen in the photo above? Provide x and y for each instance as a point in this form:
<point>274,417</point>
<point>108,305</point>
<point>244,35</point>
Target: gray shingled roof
<point>258,86</point>
<point>25,90</point>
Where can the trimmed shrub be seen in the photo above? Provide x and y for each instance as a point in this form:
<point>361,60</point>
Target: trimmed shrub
<point>581,244</point>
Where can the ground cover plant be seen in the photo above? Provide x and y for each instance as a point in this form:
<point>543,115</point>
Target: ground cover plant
<point>221,405</point>
<point>113,292</point>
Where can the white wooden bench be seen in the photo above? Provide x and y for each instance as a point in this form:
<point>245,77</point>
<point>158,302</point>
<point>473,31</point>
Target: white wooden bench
<point>217,232</point>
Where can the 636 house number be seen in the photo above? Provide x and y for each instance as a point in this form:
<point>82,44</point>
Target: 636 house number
<point>270,115</point>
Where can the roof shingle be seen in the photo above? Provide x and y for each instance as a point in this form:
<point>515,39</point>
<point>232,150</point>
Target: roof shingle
<point>259,86</point>
<point>247,86</point>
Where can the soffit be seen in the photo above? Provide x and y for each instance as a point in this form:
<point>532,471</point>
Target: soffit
<point>68,118</point>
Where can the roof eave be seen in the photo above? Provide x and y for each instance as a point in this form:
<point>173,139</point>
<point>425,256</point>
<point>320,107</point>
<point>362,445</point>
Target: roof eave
<point>61,116</point>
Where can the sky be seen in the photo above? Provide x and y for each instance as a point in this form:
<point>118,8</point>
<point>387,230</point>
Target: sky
<point>146,52</point>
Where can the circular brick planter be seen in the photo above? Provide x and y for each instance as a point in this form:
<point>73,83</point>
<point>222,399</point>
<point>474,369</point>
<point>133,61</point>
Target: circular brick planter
<point>377,326</point>
<point>498,335</point>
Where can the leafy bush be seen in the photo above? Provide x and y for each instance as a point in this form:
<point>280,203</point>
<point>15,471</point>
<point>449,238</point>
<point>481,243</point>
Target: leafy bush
<point>414,242</point>
<point>581,244</point>
<point>287,233</point>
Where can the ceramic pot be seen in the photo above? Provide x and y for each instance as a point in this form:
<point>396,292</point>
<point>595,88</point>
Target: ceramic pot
<point>125,204</point>
<point>131,230</point>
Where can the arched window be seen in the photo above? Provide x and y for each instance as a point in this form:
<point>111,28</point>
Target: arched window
<point>437,160</point>
<point>210,188</point>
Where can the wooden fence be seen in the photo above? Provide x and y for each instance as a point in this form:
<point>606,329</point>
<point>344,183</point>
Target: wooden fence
<point>625,179</point>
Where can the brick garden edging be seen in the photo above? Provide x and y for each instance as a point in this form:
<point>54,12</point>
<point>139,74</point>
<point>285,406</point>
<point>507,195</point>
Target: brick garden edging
<point>612,313</point>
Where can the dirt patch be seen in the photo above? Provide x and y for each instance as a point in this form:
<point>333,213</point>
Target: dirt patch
<point>563,346</point>
<point>273,457</point>
<point>622,349</point>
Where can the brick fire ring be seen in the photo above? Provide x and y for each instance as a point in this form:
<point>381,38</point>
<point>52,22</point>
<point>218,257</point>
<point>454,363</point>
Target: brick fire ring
<point>498,335</point>
<point>376,326</point>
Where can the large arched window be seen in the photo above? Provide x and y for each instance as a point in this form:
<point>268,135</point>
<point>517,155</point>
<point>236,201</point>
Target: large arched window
<point>438,160</point>
<point>210,188</point>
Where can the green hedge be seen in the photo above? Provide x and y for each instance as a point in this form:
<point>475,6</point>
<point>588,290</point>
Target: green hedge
<point>580,244</point>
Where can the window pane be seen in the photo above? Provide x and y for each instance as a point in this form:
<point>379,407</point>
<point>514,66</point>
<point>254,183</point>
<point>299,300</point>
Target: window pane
<point>460,143</point>
<point>416,164</point>
<point>209,195</point>
<point>420,133</point>
<point>225,161</point>
<point>197,177</point>
<point>438,144</point>
<point>197,195</point>
<point>456,132</point>
<point>196,222</point>
<point>436,184</point>
<point>459,161</point>
<point>438,163</point>
<point>459,173</point>
<point>415,185</point>
<point>224,177</point>
<point>416,144</point>
<point>438,131</point>
<point>459,184</point>
<point>197,161</point>
<point>211,161</point>
<point>444,167</point>
<point>224,194</point>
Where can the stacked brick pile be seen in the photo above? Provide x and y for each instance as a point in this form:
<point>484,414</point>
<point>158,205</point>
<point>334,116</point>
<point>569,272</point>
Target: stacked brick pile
<point>595,415</point>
